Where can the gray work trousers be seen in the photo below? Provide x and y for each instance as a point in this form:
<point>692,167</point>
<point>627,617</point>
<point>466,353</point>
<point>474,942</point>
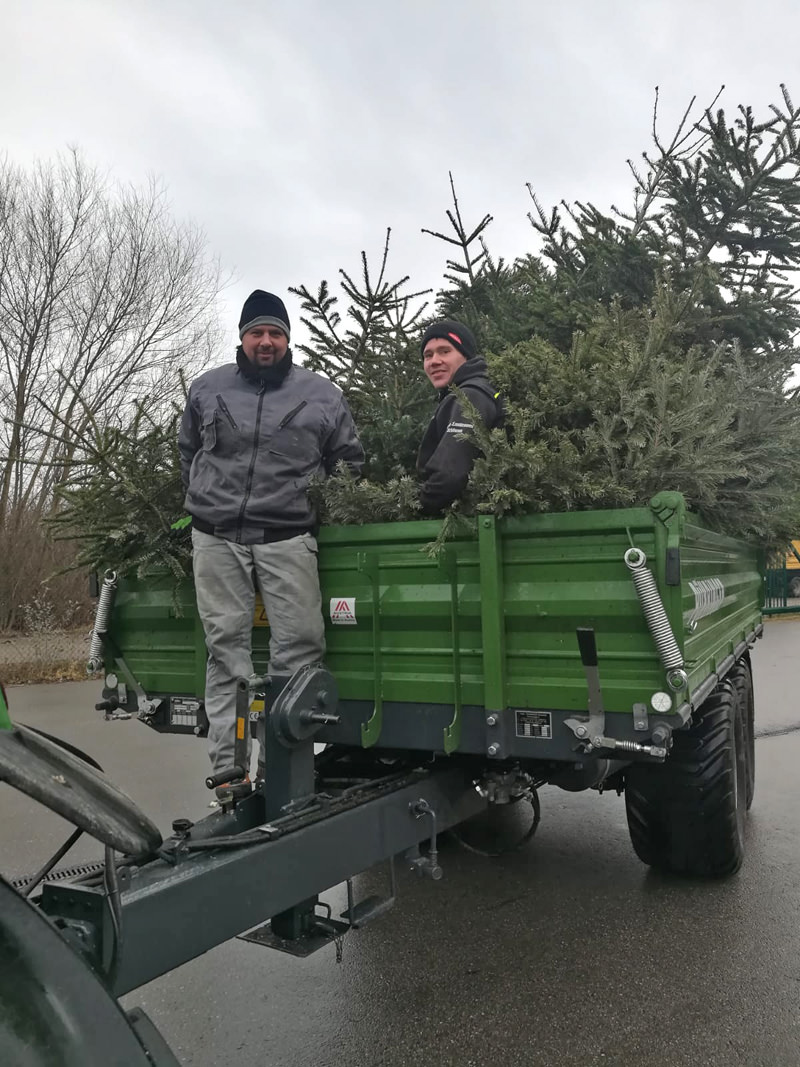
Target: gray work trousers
<point>288,580</point>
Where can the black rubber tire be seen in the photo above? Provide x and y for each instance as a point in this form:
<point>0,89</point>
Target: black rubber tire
<point>687,815</point>
<point>794,587</point>
<point>742,678</point>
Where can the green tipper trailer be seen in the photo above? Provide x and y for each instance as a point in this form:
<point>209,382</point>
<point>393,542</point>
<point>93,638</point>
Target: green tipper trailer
<point>605,649</point>
<point>585,649</point>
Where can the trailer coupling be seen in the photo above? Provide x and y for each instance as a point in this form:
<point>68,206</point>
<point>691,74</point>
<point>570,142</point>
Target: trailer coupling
<point>312,824</point>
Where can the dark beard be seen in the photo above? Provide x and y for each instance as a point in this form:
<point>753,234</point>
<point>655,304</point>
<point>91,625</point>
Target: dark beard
<point>270,377</point>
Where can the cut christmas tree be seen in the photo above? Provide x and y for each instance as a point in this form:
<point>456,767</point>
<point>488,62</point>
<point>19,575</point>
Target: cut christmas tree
<point>636,350</point>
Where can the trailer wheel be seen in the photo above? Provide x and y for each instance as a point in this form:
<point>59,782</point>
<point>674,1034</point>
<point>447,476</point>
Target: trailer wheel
<point>687,815</point>
<point>742,678</point>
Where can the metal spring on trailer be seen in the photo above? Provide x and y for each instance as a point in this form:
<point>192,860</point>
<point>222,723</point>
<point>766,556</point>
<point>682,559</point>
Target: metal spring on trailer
<point>628,746</point>
<point>104,602</point>
<point>653,609</point>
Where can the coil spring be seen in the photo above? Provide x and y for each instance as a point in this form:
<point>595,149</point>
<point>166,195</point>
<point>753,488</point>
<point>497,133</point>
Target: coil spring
<point>101,617</point>
<point>627,746</point>
<point>653,609</point>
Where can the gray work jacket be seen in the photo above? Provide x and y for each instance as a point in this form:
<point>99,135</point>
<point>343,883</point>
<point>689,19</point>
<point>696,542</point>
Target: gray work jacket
<point>248,451</point>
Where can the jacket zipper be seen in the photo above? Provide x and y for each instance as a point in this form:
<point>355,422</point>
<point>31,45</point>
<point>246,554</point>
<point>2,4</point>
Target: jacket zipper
<point>224,409</point>
<point>288,418</point>
<point>249,483</point>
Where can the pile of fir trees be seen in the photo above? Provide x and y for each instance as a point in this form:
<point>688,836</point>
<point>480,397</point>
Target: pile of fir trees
<point>637,350</point>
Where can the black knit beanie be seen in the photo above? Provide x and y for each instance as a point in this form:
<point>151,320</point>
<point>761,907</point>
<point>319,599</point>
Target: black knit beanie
<point>263,309</point>
<point>459,336</point>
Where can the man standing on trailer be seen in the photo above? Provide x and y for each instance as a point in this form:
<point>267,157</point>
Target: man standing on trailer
<point>444,462</point>
<point>253,435</point>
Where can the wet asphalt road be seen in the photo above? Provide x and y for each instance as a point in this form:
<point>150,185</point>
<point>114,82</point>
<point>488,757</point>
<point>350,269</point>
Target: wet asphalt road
<point>567,953</point>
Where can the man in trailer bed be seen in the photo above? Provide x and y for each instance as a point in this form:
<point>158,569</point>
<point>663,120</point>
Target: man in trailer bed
<point>253,435</point>
<point>446,455</point>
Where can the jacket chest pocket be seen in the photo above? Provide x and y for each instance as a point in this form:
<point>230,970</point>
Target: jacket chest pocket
<point>208,432</point>
<point>218,435</point>
<point>297,436</point>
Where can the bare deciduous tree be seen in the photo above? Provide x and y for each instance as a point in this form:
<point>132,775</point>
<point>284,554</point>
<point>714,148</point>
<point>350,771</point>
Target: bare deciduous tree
<point>103,296</point>
<point>101,291</point>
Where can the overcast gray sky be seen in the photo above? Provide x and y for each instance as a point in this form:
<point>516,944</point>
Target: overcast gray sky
<point>294,133</point>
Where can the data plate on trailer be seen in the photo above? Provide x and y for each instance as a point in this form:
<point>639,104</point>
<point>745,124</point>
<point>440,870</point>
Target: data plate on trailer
<point>534,724</point>
<point>183,711</point>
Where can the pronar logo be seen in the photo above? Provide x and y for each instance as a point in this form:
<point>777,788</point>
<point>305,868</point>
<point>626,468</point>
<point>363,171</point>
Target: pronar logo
<point>709,596</point>
<point>343,610</point>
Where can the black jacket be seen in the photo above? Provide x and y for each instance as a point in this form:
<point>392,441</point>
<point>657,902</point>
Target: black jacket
<point>445,458</point>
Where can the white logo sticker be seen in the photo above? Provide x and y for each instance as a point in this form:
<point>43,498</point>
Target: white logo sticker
<point>343,610</point>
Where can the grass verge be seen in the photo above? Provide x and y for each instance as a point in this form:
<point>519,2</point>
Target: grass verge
<point>32,672</point>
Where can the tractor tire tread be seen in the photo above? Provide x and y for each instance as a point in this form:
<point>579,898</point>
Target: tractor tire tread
<point>742,678</point>
<point>683,815</point>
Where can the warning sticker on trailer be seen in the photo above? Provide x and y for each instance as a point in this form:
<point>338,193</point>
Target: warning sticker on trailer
<point>534,724</point>
<point>343,610</point>
<point>260,616</point>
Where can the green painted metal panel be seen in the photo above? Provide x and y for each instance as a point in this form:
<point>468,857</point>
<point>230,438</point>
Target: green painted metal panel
<point>492,621</point>
<point>523,587</point>
<point>5,718</point>
<point>155,627</point>
<point>493,614</point>
<point>704,555</point>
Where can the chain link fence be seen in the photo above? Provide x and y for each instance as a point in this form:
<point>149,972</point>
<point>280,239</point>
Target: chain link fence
<point>49,656</point>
